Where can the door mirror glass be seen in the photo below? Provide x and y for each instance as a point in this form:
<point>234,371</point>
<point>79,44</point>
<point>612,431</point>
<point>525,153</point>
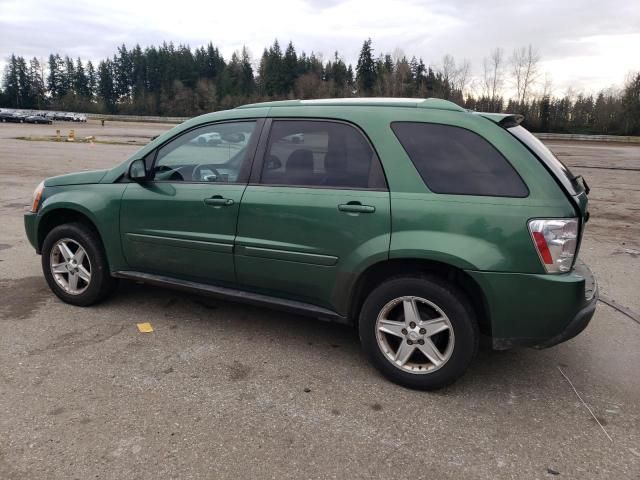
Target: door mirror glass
<point>137,172</point>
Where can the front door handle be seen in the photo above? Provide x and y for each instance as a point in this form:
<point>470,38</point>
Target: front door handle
<point>218,201</point>
<point>356,207</point>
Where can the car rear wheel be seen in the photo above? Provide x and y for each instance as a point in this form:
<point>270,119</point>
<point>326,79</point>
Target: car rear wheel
<point>420,332</point>
<point>75,266</point>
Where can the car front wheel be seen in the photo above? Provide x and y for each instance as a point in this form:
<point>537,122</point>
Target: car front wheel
<point>420,332</point>
<point>75,265</point>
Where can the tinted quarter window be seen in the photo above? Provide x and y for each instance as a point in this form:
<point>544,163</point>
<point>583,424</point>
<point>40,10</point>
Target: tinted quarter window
<point>213,153</point>
<point>457,161</point>
<point>320,154</point>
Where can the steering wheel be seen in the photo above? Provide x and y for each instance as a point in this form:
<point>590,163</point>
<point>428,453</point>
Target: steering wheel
<point>166,173</point>
<point>205,173</point>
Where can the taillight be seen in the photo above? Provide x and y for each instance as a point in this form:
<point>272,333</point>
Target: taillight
<point>555,240</point>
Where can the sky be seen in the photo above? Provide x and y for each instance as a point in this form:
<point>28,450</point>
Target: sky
<point>584,45</point>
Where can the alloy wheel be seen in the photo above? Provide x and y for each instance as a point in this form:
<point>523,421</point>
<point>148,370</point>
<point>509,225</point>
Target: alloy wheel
<point>415,335</point>
<point>70,266</point>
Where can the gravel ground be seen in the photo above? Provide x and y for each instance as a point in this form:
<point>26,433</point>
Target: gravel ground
<point>221,390</point>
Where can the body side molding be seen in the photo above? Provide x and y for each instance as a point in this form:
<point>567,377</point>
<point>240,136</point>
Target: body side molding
<point>232,294</point>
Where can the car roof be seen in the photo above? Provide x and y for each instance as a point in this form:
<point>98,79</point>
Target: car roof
<point>432,103</point>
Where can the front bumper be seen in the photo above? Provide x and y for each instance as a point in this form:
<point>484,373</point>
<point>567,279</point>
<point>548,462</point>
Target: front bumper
<point>31,229</point>
<point>538,310</point>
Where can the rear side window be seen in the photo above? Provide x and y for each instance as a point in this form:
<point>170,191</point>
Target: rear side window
<point>454,160</point>
<point>316,153</point>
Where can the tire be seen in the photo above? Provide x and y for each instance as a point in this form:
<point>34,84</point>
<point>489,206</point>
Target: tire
<point>94,261</point>
<point>453,331</point>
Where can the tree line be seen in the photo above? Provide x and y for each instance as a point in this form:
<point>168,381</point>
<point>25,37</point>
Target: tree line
<point>178,81</point>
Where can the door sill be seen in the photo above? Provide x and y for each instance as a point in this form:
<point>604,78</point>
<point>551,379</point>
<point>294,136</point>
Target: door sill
<point>232,294</point>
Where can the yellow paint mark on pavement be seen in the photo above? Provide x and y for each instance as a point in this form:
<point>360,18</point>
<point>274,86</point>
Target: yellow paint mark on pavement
<point>145,327</point>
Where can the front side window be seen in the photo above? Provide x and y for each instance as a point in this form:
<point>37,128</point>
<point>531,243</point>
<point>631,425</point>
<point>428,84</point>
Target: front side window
<point>213,153</point>
<point>320,154</point>
<point>454,160</point>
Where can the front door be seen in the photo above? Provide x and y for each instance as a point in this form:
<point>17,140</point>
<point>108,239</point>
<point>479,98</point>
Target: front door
<point>317,209</point>
<point>183,222</point>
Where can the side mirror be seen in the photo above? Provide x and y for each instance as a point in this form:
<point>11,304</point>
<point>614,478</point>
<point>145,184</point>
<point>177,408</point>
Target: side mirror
<point>137,171</point>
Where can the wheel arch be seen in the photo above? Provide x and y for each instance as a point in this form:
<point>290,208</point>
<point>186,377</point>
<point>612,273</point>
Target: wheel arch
<point>381,271</point>
<point>60,216</point>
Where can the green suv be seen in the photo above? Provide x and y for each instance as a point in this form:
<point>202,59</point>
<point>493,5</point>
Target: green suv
<point>422,224</point>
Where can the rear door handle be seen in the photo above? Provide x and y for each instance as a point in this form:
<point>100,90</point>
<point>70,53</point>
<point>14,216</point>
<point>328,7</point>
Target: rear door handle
<point>356,207</point>
<point>218,201</point>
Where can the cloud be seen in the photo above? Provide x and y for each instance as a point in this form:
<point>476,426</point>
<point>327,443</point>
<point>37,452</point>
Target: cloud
<point>589,42</point>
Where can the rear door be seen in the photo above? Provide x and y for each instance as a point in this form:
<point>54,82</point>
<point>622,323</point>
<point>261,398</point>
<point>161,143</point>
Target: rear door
<point>183,222</point>
<point>316,207</point>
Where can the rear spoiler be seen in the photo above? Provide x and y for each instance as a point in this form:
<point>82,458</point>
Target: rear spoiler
<point>505,120</point>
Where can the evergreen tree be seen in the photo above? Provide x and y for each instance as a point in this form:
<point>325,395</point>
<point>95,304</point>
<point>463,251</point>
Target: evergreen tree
<point>11,83</point>
<point>54,80</point>
<point>92,80</point>
<point>290,66</point>
<point>67,78</point>
<point>106,85</point>
<point>247,82</point>
<point>215,64</point>
<point>81,82</point>
<point>138,77</point>
<point>172,80</point>
<point>631,102</point>
<point>26,99</point>
<point>338,73</point>
<point>271,71</point>
<point>36,82</point>
<point>123,73</point>
<point>366,69</point>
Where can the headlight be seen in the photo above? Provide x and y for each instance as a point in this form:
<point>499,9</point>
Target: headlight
<point>37,197</point>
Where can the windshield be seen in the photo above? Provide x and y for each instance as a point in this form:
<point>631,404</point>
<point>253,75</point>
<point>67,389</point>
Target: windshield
<point>568,180</point>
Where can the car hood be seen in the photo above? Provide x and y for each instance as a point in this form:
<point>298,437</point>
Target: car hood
<point>78,178</point>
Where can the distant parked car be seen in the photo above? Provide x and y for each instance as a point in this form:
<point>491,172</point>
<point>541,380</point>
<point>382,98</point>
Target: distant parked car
<point>5,116</point>
<point>59,116</point>
<point>213,138</point>
<point>80,117</point>
<point>10,117</point>
<point>38,119</point>
<point>296,138</point>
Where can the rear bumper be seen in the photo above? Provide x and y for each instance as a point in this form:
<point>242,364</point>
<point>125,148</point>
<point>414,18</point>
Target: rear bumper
<point>575,326</point>
<point>538,310</point>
